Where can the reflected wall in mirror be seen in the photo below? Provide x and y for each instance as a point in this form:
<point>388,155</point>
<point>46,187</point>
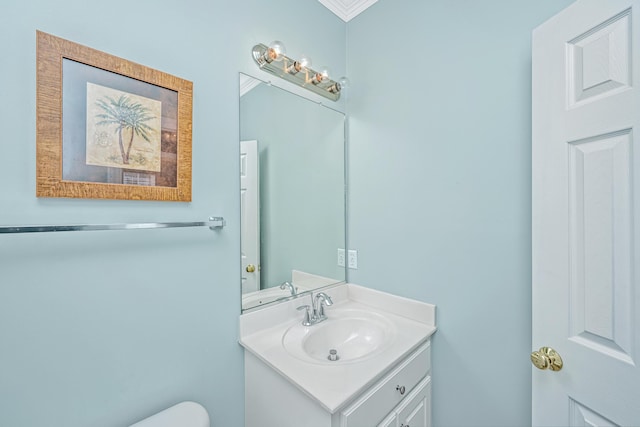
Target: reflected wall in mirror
<point>292,193</point>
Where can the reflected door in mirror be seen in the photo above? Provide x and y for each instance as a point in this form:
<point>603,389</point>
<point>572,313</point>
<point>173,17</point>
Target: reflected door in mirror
<point>250,212</point>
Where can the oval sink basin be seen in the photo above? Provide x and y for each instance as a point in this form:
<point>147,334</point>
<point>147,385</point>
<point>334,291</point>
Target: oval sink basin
<point>353,334</point>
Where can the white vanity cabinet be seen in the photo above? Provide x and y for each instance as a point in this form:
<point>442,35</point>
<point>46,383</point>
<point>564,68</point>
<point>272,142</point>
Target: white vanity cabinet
<point>400,398</point>
<point>382,376</point>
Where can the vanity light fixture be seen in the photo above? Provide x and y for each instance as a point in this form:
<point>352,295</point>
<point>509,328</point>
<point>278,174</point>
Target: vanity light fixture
<point>274,60</point>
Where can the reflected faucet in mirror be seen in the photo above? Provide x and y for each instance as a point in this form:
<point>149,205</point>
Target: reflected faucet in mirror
<point>287,285</point>
<point>292,166</point>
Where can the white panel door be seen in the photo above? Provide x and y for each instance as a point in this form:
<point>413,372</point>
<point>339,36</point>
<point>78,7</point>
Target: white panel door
<point>586,197</point>
<point>250,216</point>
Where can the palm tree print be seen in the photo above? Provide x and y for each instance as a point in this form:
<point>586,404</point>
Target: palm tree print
<point>125,115</point>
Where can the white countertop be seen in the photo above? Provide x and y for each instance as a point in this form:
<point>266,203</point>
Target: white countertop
<point>333,385</point>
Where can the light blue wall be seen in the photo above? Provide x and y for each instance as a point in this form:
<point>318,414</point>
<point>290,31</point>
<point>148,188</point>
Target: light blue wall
<point>301,155</point>
<point>104,328</point>
<point>439,165</point>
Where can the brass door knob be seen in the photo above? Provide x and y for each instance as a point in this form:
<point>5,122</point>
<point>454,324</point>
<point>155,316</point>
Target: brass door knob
<point>251,268</point>
<point>546,358</point>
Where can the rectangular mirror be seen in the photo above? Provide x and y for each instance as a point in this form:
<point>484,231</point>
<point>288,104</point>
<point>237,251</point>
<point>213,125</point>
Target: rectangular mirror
<point>292,167</point>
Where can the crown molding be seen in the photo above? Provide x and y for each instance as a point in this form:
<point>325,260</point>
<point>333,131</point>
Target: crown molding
<point>347,9</point>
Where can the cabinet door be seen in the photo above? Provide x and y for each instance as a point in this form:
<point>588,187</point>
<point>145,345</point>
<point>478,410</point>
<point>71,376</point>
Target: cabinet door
<point>416,411</point>
<point>390,421</point>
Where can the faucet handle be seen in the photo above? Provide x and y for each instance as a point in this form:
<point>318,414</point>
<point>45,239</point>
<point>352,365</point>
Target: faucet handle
<point>306,321</point>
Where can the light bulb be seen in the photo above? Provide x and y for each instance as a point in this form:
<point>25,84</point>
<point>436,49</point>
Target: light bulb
<point>276,51</point>
<point>305,61</point>
<point>326,72</point>
<point>339,86</point>
<point>321,75</point>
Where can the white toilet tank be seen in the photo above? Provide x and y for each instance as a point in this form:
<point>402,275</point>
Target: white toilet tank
<point>184,414</point>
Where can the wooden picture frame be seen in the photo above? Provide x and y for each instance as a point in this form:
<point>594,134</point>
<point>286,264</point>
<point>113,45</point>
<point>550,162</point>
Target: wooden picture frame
<point>108,128</point>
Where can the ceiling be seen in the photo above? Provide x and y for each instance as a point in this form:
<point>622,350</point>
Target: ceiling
<point>347,9</point>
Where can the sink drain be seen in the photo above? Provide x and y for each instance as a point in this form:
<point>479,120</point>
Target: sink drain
<point>333,355</point>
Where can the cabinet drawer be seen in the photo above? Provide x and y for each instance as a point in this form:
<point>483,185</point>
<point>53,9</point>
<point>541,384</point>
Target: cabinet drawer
<point>383,397</point>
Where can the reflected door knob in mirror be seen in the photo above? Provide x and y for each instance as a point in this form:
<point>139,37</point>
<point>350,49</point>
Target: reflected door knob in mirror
<point>251,268</point>
<point>546,358</point>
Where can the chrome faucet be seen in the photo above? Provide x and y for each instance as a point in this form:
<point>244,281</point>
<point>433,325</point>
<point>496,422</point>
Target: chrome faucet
<point>315,313</point>
<point>287,285</point>
<point>321,299</point>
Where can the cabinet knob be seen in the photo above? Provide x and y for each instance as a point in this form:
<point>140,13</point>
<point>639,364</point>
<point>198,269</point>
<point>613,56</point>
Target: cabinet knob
<point>401,389</point>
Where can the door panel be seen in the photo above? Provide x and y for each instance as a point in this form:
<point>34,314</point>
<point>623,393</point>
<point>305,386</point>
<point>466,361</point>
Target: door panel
<point>600,244</point>
<point>599,60</point>
<point>582,416</point>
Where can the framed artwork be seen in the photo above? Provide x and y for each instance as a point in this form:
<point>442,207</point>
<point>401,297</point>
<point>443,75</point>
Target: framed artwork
<point>108,128</point>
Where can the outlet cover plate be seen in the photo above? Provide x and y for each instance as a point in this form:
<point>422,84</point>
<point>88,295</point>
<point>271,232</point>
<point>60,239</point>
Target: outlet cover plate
<point>352,259</point>
<point>341,257</point>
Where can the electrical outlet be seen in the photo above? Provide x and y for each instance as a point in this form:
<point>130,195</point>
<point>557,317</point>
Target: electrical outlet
<point>352,261</point>
<point>341,257</point>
